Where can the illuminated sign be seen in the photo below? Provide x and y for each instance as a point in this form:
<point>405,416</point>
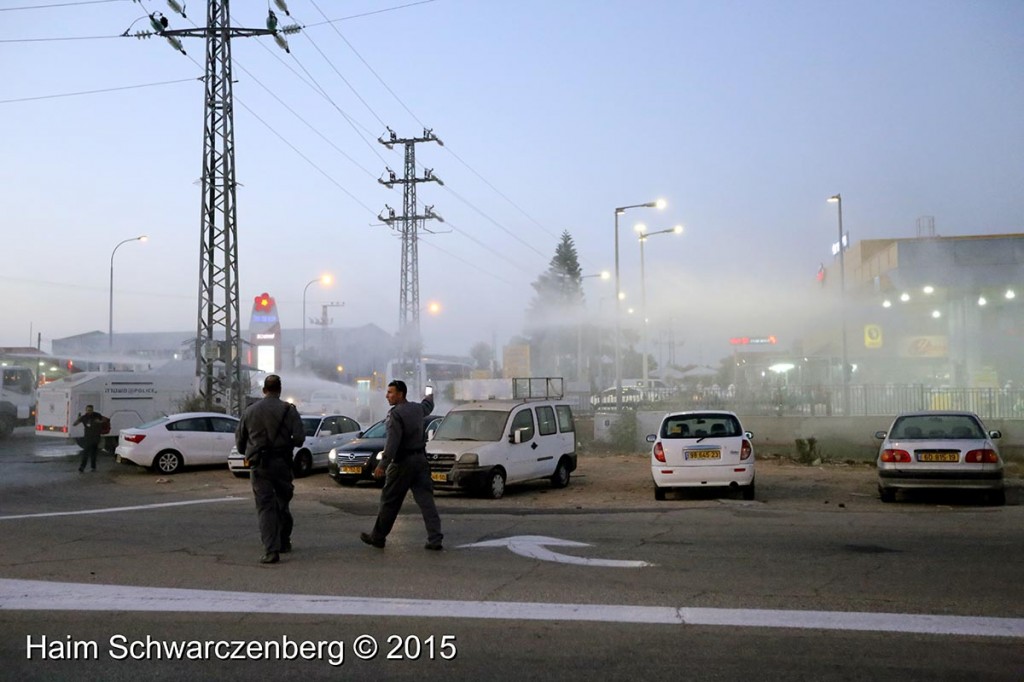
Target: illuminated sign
<point>846,244</point>
<point>753,341</point>
<point>262,337</point>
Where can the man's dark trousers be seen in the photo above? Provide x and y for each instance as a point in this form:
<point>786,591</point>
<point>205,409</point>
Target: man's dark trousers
<point>272,487</point>
<point>89,449</point>
<point>411,473</point>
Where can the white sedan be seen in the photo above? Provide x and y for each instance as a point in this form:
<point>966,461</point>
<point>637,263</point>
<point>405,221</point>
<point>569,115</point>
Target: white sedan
<point>169,443</point>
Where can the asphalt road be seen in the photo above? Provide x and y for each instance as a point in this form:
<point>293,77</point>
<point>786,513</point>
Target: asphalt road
<point>102,573</point>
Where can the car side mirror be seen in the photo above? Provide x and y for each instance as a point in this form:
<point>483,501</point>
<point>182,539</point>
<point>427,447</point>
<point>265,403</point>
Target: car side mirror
<point>749,435</point>
<point>880,435</point>
<point>995,433</point>
<point>651,438</point>
<point>516,437</point>
<point>327,432</point>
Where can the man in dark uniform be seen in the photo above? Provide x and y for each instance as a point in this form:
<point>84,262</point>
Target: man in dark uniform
<point>267,433</point>
<point>93,423</point>
<point>404,467</point>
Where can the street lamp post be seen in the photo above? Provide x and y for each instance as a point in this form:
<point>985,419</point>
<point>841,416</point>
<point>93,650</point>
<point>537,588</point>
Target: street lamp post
<point>644,236</point>
<point>110,311</point>
<point>323,279</point>
<point>660,203</point>
<point>838,200</point>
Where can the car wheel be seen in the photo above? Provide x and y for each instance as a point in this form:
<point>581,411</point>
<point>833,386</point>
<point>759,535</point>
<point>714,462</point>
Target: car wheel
<point>167,462</point>
<point>659,493</point>
<point>887,494</point>
<point>303,464</point>
<point>6,426</point>
<point>748,491</point>
<point>560,478</point>
<point>494,486</point>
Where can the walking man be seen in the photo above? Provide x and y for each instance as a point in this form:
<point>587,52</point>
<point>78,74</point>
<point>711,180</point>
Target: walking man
<point>93,422</point>
<point>266,435</point>
<point>404,467</point>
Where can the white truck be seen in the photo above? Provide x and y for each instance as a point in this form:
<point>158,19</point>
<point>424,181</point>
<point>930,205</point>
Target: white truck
<point>17,399</point>
<point>126,398</point>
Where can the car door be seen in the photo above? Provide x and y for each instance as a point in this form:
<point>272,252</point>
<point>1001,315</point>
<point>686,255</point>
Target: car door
<point>328,436</point>
<point>222,438</point>
<point>521,460</point>
<point>193,438</point>
<point>548,451</point>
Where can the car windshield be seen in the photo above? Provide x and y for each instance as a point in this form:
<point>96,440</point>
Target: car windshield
<point>937,426</point>
<point>701,426</point>
<point>485,425</point>
<point>310,425</point>
<point>378,430</point>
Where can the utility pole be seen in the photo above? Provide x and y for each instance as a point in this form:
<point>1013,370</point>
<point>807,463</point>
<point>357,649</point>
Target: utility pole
<point>325,321</point>
<point>410,223</point>
<point>218,336</point>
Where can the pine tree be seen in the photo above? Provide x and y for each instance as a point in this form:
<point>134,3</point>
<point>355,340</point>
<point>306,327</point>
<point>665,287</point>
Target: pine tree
<point>555,313</point>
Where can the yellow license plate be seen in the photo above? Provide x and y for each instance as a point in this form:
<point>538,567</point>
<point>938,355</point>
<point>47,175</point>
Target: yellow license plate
<point>703,454</point>
<point>938,457</point>
<point>439,476</point>
<point>351,470</point>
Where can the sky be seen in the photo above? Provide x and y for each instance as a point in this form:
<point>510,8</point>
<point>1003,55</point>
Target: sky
<point>744,116</point>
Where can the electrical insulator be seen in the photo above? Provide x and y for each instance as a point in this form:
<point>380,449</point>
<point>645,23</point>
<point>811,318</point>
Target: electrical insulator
<point>177,7</point>
<point>281,43</point>
<point>271,20</point>
<point>282,6</point>
<point>176,44</point>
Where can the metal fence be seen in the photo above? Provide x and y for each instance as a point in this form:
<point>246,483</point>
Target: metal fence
<point>827,401</point>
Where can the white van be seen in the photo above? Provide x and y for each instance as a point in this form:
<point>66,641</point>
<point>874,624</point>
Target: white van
<point>482,446</point>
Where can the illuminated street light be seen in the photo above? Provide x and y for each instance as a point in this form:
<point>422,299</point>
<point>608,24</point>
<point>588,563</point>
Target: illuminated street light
<point>326,280</point>
<point>644,236</point>
<point>110,318</point>
<point>659,204</point>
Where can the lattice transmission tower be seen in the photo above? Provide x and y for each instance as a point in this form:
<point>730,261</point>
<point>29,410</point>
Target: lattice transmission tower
<point>409,225</point>
<point>218,338</point>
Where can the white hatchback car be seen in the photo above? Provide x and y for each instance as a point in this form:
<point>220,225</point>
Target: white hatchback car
<point>169,443</point>
<point>702,449</point>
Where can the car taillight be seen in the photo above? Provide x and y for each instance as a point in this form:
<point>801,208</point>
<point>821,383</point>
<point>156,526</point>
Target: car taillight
<point>745,449</point>
<point>659,452</point>
<point>985,456</point>
<point>895,456</point>
<point>134,437</point>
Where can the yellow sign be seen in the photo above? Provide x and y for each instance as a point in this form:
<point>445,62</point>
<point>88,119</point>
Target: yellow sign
<point>516,361</point>
<point>872,336</point>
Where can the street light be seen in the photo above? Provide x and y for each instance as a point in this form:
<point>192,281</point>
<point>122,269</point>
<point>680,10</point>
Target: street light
<point>660,203</point>
<point>110,312</point>
<point>644,236</point>
<point>326,281</point>
<point>838,200</point>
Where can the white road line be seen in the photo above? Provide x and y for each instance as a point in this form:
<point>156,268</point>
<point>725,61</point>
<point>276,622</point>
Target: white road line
<point>37,595</point>
<point>110,510</point>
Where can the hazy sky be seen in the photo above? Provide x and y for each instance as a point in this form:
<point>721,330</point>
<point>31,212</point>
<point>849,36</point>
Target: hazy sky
<point>745,116</point>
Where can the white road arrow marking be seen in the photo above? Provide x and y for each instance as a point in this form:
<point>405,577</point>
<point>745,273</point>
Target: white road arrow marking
<point>533,546</point>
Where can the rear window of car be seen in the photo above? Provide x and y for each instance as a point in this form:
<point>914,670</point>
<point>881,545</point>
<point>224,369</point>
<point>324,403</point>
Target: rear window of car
<point>546,420</point>
<point>701,426</point>
<point>937,426</point>
<point>565,422</point>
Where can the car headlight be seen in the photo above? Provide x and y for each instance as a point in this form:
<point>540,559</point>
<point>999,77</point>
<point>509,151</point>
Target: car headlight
<point>332,456</point>
<point>380,455</point>
<point>469,458</point>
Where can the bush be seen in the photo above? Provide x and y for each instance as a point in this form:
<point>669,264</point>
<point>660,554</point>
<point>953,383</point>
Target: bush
<point>807,450</point>
<point>623,432</point>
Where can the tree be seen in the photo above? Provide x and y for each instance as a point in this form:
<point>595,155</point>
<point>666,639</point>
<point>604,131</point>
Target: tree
<point>556,313</point>
<point>482,355</point>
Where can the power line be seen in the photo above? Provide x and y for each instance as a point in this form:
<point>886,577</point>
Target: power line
<point>95,92</point>
<point>48,40</point>
<point>367,14</point>
<point>59,4</point>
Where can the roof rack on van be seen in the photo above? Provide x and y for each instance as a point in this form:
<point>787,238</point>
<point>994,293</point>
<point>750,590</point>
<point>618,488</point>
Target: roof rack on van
<point>537,388</point>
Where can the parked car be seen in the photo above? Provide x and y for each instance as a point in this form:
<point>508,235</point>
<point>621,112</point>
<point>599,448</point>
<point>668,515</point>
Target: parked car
<point>355,461</point>
<point>323,432</point>
<point>169,443</point>
<point>702,449</point>
<point>482,446</point>
<point>939,449</point>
